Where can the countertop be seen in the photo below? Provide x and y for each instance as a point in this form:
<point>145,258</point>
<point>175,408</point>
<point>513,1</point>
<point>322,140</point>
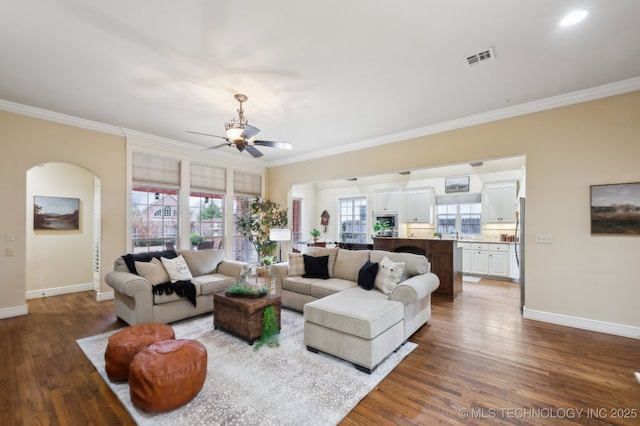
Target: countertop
<point>460,240</point>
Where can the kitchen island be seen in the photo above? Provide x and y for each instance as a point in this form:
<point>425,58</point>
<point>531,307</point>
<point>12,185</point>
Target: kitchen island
<point>444,255</point>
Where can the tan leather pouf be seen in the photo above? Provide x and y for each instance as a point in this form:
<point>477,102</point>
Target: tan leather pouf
<point>167,375</point>
<point>126,343</point>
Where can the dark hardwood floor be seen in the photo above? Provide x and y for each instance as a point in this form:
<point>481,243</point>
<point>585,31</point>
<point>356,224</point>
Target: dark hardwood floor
<point>476,362</point>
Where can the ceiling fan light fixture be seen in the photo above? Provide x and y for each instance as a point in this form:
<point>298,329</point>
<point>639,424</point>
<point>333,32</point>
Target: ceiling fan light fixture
<point>236,126</point>
<point>234,132</point>
<point>240,134</point>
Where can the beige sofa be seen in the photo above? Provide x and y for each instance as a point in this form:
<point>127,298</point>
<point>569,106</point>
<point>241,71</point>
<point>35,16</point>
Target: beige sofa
<point>346,320</point>
<point>136,302</point>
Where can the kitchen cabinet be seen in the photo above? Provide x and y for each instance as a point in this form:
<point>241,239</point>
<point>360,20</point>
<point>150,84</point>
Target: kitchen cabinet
<point>499,260</point>
<point>419,206</point>
<point>466,260</point>
<point>514,266</point>
<point>490,259</point>
<point>386,201</point>
<point>479,258</point>
<point>499,202</point>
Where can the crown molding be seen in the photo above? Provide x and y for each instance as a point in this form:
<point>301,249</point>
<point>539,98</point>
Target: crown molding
<point>57,117</point>
<point>585,95</point>
<point>580,96</point>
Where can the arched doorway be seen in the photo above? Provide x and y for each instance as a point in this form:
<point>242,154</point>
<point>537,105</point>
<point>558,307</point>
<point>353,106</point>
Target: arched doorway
<point>63,260</point>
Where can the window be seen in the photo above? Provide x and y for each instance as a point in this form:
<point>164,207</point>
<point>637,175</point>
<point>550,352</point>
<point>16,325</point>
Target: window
<point>206,206</point>
<point>243,250</point>
<point>154,202</point>
<point>296,220</point>
<point>459,213</point>
<point>353,220</point>
<point>246,187</point>
<point>154,218</point>
<point>206,211</point>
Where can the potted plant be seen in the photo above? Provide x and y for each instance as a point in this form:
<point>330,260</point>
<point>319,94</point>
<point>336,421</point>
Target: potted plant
<point>381,229</point>
<point>315,234</point>
<point>195,239</point>
<point>263,215</point>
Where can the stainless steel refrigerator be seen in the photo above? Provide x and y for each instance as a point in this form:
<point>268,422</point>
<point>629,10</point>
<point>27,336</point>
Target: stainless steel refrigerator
<point>520,245</point>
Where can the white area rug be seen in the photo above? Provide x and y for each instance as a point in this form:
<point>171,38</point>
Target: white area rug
<point>470,279</point>
<point>286,385</point>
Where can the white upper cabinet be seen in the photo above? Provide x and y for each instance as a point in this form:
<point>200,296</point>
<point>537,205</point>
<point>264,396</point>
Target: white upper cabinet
<point>499,202</point>
<point>386,201</point>
<point>419,205</point>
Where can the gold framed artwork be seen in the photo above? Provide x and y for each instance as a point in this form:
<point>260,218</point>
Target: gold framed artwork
<point>56,213</point>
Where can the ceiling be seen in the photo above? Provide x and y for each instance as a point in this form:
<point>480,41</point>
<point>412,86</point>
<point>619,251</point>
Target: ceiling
<point>325,76</point>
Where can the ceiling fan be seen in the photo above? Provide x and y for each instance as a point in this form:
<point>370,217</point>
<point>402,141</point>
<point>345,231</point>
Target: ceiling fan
<point>240,134</point>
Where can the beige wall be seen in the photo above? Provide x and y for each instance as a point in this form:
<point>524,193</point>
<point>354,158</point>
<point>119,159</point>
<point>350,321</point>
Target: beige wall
<point>593,280</point>
<point>26,142</point>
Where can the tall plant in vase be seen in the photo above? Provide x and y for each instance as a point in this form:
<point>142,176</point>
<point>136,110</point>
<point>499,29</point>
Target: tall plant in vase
<point>263,215</point>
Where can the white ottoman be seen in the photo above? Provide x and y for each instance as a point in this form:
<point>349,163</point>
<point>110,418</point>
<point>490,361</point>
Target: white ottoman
<point>360,326</point>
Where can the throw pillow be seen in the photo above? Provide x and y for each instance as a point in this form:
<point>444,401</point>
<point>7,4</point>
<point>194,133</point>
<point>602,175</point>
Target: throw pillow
<point>389,275</point>
<point>177,269</point>
<point>316,267</point>
<point>153,271</point>
<point>296,264</point>
<point>367,275</point>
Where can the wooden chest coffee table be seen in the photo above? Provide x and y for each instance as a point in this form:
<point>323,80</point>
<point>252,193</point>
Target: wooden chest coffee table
<point>242,316</point>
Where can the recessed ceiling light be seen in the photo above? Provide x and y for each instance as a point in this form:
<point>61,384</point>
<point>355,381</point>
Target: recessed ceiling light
<point>574,18</point>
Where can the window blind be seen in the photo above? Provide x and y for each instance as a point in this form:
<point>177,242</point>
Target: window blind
<point>151,169</point>
<point>246,183</point>
<point>458,199</point>
<point>208,178</point>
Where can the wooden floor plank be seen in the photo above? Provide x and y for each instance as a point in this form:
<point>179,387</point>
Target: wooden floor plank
<point>476,355</point>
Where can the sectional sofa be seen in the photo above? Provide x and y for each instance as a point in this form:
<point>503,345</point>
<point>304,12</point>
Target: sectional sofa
<point>343,315</point>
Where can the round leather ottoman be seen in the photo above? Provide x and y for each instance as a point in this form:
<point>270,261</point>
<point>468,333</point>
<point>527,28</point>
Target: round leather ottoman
<point>167,375</point>
<point>126,343</point>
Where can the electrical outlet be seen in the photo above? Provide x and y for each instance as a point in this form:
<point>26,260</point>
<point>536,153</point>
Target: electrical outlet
<point>544,238</point>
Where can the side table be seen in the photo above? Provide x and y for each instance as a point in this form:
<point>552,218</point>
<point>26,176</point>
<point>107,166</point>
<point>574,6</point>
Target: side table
<point>242,316</point>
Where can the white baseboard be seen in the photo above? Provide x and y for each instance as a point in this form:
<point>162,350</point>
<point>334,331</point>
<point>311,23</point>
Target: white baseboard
<point>101,297</point>
<point>56,291</point>
<point>14,311</point>
<point>583,323</point>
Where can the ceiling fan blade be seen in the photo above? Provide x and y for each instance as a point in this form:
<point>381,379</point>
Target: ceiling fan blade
<point>253,151</point>
<point>281,145</point>
<point>207,134</point>
<point>216,146</point>
<point>249,132</point>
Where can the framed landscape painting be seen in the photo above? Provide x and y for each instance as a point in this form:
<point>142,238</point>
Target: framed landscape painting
<point>56,213</point>
<point>615,209</point>
<point>456,184</point>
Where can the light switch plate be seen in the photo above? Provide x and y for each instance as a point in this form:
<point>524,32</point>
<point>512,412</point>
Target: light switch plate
<point>10,236</point>
<point>544,238</point>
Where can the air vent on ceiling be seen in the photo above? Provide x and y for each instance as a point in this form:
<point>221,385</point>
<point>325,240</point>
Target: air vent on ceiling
<point>480,57</point>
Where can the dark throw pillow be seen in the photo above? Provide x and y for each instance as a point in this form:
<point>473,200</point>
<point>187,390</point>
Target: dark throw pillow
<point>131,259</point>
<point>367,275</point>
<point>316,267</point>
